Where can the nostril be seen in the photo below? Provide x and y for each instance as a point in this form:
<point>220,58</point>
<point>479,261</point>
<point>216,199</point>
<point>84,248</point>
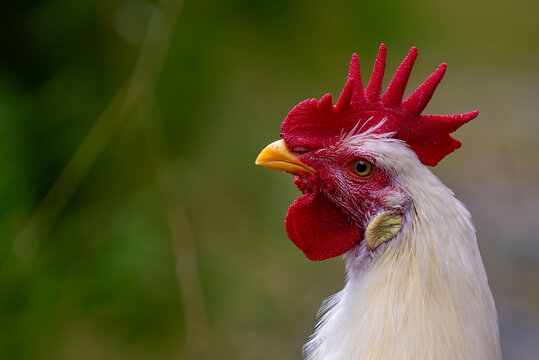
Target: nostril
<point>300,150</point>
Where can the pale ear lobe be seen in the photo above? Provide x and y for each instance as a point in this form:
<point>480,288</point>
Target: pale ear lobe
<point>383,227</point>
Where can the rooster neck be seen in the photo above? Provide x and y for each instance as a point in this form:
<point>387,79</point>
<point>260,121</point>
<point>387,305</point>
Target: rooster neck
<point>424,295</point>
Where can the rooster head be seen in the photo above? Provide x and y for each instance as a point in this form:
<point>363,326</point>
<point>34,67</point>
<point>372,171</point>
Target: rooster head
<point>350,159</point>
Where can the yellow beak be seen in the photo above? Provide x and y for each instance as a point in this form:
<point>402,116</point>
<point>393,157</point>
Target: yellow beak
<point>277,156</point>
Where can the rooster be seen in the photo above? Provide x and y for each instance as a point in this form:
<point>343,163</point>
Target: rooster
<point>416,287</point>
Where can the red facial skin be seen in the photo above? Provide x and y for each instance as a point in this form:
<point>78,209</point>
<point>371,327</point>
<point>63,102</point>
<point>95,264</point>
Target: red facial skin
<point>337,205</point>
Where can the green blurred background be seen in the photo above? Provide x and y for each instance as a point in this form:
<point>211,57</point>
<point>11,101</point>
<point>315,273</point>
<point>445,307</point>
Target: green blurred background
<point>133,222</point>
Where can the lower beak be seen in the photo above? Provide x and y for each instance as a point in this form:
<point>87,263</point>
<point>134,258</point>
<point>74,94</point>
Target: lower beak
<point>277,156</point>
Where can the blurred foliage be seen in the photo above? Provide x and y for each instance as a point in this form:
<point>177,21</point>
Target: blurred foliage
<point>133,222</point>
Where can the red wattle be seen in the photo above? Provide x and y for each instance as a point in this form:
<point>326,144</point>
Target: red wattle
<point>319,228</point>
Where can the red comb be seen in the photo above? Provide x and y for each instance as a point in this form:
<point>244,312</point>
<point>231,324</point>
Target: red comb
<point>314,124</point>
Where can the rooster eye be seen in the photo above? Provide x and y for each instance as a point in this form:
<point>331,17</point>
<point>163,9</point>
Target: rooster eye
<point>361,168</point>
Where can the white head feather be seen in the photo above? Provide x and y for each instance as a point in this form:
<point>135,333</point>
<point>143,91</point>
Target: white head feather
<point>422,295</point>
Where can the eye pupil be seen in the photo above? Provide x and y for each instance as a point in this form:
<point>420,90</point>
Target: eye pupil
<point>361,168</point>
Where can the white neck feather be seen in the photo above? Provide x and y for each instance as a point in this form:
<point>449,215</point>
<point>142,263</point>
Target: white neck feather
<point>424,295</point>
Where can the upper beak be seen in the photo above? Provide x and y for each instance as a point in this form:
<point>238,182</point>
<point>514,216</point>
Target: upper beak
<point>277,156</point>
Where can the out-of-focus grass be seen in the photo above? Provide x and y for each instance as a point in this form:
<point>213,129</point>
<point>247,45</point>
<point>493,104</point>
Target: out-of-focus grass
<point>164,241</point>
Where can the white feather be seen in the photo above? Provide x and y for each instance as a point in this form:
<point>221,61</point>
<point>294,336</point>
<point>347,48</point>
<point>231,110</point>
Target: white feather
<point>422,295</point>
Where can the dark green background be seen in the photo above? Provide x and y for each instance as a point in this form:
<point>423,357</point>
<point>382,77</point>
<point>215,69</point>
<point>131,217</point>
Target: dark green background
<point>133,222</point>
